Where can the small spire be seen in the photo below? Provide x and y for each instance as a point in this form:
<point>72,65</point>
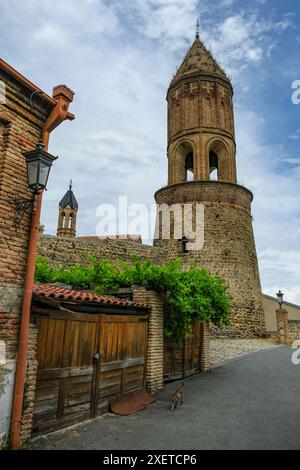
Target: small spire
<point>70,186</point>
<point>197,29</point>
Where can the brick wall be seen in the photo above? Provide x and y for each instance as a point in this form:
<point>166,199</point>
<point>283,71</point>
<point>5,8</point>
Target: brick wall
<point>30,386</point>
<point>20,130</point>
<point>205,355</point>
<point>154,372</point>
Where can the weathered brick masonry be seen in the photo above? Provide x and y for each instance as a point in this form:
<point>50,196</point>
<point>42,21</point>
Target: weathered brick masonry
<point>30,386</point>
<point>20,130</point>
<point>154,371</point>
<point>205,355</point>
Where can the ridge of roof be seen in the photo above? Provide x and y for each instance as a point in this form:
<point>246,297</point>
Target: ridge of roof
<point>55,292</point>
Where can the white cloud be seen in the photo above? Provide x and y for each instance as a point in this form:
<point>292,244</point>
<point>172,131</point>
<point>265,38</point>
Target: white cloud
<point>172,22</point>
<point>296,135</point>
<point>227,3</point>
<point>243,39</point>
<point>255,54</point>
<point>293,161</point>
<point>51,34</point>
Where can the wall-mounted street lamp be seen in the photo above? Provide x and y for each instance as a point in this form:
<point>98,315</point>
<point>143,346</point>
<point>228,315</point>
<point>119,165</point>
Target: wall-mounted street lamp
<point>39,163</point>
<point>280,298</point>
<point>184,242</point>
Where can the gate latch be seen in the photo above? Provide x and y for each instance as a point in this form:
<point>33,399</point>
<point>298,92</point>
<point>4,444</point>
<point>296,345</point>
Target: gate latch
<point>96,357</point>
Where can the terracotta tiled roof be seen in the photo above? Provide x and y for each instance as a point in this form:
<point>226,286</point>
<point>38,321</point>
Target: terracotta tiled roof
<point>51,291</point>
<point>99,239</point>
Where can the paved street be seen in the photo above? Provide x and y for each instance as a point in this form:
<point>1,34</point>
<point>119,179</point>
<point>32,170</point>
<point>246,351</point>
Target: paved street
<point>252,402</point>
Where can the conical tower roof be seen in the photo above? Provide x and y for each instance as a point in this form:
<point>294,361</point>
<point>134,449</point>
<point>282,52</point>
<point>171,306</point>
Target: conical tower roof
<point>69,199</point>
<point>198,61</point>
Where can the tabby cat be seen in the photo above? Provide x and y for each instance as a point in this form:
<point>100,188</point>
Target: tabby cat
<point>177,398</point>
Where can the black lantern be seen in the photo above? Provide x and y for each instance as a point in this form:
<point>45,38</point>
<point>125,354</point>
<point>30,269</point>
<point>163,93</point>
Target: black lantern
<point>280,297</point>
<point>39,163</point>
<point>184,242</point>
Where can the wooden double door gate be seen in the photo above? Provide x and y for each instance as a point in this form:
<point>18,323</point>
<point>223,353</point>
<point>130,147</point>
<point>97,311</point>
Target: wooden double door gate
<point>183,360</point>
<point>84,361</point>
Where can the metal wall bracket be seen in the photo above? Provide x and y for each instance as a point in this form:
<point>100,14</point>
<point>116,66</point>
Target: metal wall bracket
<point>21,207</point>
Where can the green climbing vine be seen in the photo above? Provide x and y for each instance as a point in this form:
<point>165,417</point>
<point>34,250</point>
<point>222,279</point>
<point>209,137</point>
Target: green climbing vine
<point>190,293</point>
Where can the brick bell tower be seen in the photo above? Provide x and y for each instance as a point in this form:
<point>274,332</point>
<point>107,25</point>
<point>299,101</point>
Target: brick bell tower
<point>202,171</point>
<point>68,208</point>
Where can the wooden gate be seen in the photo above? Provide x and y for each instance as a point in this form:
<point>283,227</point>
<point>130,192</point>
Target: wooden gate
<point>122,360</point>
<point>85,360</point>
<point>183,361</point>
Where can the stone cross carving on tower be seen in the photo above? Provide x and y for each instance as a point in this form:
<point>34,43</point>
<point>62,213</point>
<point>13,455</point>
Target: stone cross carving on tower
<point>208,88</point>
<point>193,87</point>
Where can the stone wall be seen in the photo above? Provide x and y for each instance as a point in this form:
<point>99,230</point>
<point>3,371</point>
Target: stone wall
<point>289,330</point>
<point>61,251</point>
<point>229,248</point>
<point>20,130</point>
<point>294,330</point>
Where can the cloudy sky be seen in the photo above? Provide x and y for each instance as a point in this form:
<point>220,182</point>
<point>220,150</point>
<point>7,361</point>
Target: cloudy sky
<point>119,57</point>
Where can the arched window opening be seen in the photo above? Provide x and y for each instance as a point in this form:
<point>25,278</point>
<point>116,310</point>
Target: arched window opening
<point>221,161</point>
<point>63,219</point>
<point>70,220</point>
<point>189,167</point>
<point>183,169</point>
<point>213,166</point>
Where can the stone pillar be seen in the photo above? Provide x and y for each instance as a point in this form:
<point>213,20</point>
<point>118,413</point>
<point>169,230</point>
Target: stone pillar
<point>30,386</point>
<point>282,325</point>
<point>205,353</point>
<point>155,366</point>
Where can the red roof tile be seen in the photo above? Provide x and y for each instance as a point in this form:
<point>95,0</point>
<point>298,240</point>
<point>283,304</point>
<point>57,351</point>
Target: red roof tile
<point>51,291</point>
